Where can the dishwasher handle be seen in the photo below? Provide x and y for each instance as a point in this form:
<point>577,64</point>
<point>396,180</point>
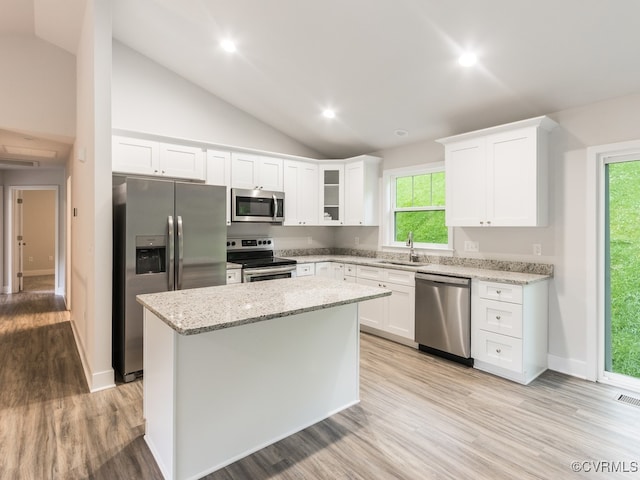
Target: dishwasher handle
<point>464,282</point>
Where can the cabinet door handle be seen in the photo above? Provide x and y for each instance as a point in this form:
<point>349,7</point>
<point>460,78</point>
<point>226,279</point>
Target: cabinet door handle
<point>498,292</point>
<point>497,317</point>
<point>498,350</point>
<point>481,222</point>
<point>488,222</point>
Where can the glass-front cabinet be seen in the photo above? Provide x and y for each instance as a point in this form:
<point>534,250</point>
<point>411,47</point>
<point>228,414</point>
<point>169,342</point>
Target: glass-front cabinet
<point>331,194</point>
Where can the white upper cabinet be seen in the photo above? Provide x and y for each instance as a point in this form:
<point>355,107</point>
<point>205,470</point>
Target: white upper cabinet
<point>146,157</point>
<point>180,161</point>
<point>498,176</point>
<point>331,193</point>
<point>361,191</point>
<point>301,193</point>
<point>219,173</point>
<point>256,172</point>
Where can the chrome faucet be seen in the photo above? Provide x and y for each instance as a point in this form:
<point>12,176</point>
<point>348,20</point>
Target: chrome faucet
<point>413,257</point>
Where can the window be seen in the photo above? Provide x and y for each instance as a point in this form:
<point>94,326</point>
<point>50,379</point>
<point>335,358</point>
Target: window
<point>416,203</point>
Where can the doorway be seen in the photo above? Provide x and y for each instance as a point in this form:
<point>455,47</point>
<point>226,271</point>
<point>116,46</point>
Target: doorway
<point>614,251</point>
<point>622,267</point>
<point>34,239</point>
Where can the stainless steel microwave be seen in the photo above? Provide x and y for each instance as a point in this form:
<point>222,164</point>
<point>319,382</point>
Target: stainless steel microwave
<point>257,206</point>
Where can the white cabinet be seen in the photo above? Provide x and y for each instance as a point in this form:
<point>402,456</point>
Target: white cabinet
<point>509,325</point>
<point>219,173</point>
<point>256,172</point>
<point>330,270</point>
<point>300,193</point>
<point>394,315</point>
<point>305,269</point>
<point>331,194</point>
<point>234,275</point>
<point>361,191</point>
<point>498,176</point>
<point>146,157</point>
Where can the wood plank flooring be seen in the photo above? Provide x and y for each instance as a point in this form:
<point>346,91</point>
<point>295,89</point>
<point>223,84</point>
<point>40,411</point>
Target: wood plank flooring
<point>419,417</point>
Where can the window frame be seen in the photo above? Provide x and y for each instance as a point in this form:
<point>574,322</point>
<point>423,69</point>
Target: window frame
<point>387,232</point>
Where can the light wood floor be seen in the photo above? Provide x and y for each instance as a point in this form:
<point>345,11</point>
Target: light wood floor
<point>420,417</point>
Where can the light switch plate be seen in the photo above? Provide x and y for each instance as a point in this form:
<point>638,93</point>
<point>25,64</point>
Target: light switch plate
<point>470,246</point>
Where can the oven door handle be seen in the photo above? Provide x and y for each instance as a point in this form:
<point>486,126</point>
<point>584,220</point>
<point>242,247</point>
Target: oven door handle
<point>269,270</point>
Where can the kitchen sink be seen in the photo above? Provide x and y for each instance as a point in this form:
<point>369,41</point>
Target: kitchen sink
<point>400,262</point>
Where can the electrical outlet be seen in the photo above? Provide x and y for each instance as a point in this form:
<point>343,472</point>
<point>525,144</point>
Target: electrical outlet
<point>309,240</point>
<point>357,241</point>
<point>470,246</point>
<point>31,259</point>
<point>537,249</point>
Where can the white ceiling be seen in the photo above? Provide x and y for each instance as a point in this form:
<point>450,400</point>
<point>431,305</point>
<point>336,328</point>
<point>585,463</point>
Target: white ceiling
<point>58,23</point>
<point>382,65</point>
<point>387,65</point>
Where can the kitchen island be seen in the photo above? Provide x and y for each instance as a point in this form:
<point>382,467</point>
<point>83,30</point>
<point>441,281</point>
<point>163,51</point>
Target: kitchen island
<point>229,370</point>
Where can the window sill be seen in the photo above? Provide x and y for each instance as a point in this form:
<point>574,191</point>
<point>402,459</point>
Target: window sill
<point>444,251</point>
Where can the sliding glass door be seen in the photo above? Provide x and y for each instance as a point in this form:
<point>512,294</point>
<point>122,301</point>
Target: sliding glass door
<point>622,269</point>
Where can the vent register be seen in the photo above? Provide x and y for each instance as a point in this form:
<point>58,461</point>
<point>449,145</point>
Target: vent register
<point>630,400</point>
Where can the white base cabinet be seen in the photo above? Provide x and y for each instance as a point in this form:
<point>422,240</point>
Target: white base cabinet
<point>392,317</point>
<point>234,275</point>
<point>509,325</point>
<point>333,270</point>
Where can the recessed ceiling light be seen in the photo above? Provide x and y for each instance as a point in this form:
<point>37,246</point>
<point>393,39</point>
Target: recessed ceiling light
<point>228,45</point>
<point>467,59</point>
<point>401,133</point>
<point>329,113</point>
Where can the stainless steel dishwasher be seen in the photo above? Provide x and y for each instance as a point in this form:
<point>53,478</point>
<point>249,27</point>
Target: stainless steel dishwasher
<point>443,316</point>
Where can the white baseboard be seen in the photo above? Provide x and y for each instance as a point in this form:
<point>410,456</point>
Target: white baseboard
<point>95,380</point>
<point>37,273</point>
<point>568,366</point>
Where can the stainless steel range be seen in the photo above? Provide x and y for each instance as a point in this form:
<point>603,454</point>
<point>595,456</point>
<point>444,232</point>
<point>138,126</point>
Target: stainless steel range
<point>255,254</point>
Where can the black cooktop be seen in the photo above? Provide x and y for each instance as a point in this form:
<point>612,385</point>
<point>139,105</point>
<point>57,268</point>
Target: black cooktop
<point>265,262</point>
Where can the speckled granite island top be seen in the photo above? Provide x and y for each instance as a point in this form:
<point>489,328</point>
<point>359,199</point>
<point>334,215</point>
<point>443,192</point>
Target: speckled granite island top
<point>201,310</point>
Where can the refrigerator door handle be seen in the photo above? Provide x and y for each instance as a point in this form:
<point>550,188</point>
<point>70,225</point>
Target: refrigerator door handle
<point>170,253</point>
<point>180,254</point>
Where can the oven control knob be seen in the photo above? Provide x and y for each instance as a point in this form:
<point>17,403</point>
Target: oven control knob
<point>269,242</point>
<point>233,244</point>
<point>259,242</point>
<point>228,244</point>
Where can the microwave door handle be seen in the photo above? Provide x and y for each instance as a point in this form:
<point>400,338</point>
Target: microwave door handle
<point>180,254</point>
<point>170,252</point>
<point>275,208</point>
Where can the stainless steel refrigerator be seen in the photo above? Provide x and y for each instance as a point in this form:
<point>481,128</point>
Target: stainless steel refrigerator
<point>167,235</point>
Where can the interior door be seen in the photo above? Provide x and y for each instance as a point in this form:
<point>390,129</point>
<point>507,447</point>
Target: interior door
<point>19,242</point>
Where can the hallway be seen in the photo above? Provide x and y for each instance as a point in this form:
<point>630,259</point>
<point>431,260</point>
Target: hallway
<point>52,427</point>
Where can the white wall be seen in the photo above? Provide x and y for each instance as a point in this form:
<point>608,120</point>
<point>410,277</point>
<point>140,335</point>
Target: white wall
<point>42,84</point>
<point>564,240</point>
<point>91,196</point>
<point>150,98</point>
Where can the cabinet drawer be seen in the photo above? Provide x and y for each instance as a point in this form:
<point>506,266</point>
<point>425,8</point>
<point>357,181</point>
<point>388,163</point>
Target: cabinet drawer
<point>399,277</point>
<point>350,270</point>
<point>234,276</point>
<point>503,292</point>
<point>305,269</point>
<point>499,350</point>
<point>499,317</point>
<point>372,273</point>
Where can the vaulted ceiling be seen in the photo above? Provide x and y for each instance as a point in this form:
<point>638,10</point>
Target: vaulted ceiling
<point>385,67</point>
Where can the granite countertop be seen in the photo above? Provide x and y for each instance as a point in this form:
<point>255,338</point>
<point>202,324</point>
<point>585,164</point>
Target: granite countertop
<point>200,310</point>
<point>502,276</point>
